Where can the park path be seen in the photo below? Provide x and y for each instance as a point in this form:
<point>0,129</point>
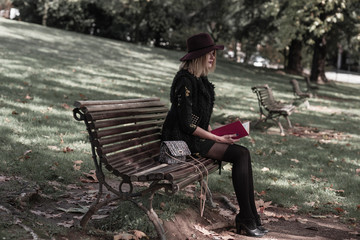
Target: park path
<point>342,76</point>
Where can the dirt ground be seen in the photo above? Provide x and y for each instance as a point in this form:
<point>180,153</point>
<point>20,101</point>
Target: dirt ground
<point>24,214</point>
<point>283,224</point>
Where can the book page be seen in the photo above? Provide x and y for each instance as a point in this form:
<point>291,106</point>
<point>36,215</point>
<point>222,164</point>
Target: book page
<point>246,125</point>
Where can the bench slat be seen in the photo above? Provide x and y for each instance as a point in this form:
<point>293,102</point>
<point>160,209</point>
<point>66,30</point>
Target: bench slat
<point>129,119</point>
<point>160,173</point>
<point>128,128</point>
<point>135,176</point>
<point>102,108</point>
<point>123,113</point>
<point>123,162</point>
<point>139,166</point>
<point>127,136</point>
<point>154,146</point>
<point>189,169</point>
<point>80,104</point>
<point>128,144</point>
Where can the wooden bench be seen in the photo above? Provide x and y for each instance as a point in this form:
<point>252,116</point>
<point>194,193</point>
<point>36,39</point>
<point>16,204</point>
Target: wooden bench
<point>301,97</point>
<point>270,108</point>
<point>298,92</point>
<point>310,86</point>
<point>125,139</point>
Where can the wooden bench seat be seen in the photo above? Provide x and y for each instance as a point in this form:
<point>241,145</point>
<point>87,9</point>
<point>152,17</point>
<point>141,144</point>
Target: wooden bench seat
<point>125,139</point>
<point>270,108</point>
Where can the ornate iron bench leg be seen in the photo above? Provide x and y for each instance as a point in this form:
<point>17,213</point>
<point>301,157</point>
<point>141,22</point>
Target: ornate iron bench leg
<point>96,206</point>
<point>288,121</point>
<point>152,216</point>
<point>282,133</point>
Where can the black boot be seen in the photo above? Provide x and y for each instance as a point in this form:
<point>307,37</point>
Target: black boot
<point>249,226</point>
<point>259,225</point>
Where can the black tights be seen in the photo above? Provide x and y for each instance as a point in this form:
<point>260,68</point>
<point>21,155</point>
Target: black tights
<point>242,177</point>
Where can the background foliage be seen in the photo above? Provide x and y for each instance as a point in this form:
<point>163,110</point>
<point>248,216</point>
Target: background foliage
<point>278,29</point>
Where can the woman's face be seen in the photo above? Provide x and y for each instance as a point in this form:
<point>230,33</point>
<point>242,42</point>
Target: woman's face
<point>210,58</point>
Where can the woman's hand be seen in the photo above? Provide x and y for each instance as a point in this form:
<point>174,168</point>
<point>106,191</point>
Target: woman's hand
<point>208,135</point>
<point>229,139</point>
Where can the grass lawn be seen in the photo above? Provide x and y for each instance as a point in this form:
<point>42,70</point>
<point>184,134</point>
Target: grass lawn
<point>44,70</point>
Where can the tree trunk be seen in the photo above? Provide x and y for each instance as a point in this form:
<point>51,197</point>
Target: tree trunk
<point>284,53</point>
<point>318,62</point>
<point>46,9</point>
<point>294,59</point>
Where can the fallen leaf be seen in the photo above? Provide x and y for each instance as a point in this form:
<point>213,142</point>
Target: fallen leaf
<point>77,165</point>
<point>97,217</point>
<point>139,234</point>
<point>302,220</point>
<point>203,230</point>
<point>67,149</point>
<point>64,105</point>
<point>27,151</point>
<point>28,97</point>
<point>91,177</point>
<point>47,215</point>
<point>14,112</point>
<point>278,153</point>
<point>4,178</point>
<point>294,208</point>
<point>72,186</point>
<point>339,210</point>
<point>294,160</point>
<point>262,193</point>
<point>81,209</point>
<point>82,96</point>
<point>124,236</point>
<point>67,224</point>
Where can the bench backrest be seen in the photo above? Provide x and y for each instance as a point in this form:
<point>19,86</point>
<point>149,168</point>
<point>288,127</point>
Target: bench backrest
<point>125,133</point>
<point>265,96</point>
<point>296,87</point>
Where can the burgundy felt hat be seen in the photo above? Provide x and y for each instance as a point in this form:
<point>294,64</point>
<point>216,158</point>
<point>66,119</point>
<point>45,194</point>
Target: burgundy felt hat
<point>199,45</point>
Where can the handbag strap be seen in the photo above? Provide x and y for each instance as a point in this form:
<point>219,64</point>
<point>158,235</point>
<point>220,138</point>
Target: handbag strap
<point>202,195</point>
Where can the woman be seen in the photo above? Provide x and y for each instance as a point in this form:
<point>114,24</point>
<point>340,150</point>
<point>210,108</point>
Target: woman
<point>192,99</point>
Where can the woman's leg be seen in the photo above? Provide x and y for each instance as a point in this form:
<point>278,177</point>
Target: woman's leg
<point>239,156</point>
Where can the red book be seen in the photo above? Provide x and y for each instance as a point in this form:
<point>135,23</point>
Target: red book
<point>238,128</point>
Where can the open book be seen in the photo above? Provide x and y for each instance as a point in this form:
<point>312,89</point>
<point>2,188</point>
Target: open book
<point>238,128</point>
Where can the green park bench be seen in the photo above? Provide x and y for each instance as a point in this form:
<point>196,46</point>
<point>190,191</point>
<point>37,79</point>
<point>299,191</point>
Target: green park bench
<point>125,139</point>
<point>270,108</point>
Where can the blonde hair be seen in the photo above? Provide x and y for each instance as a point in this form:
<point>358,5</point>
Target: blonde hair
<point>198,66</point>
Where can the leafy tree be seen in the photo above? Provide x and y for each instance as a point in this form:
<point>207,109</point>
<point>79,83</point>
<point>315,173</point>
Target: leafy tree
<point>252,25</point>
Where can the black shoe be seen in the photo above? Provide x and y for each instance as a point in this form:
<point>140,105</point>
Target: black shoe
<point>259,225</point>
<point>249,226</point>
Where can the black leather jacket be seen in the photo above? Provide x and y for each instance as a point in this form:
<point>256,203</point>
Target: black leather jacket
<point>192,102</point>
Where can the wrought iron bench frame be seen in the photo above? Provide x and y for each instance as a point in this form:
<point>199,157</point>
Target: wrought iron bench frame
<point>125,139</point>
<point>270,108</point>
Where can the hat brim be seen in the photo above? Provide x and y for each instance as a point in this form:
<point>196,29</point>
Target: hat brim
<point>201,52</point>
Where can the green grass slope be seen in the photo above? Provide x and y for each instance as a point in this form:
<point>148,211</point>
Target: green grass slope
<point>43,71</point>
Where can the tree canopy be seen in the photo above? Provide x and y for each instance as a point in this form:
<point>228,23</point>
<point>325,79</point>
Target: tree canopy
<point>322,27</point>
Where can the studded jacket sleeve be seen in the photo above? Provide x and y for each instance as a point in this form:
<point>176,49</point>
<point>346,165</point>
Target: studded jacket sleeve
<point>184,104</point>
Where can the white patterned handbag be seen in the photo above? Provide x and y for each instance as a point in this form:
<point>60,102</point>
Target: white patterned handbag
<point>173,152</point>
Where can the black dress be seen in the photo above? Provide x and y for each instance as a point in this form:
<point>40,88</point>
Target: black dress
<point>192,102</point>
